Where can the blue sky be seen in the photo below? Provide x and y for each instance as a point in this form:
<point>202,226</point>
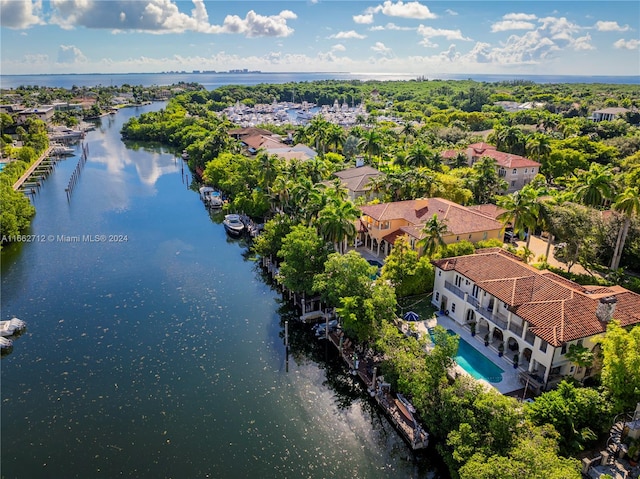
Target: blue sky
<point>423,38</point>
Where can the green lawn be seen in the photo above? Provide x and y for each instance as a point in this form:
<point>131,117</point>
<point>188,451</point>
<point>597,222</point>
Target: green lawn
<point>420,304</point>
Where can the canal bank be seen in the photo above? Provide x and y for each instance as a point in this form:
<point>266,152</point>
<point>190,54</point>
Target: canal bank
<point>161,354</point>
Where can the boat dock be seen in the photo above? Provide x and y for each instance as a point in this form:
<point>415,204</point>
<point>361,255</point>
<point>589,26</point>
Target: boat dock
<point>398,413</point>
<point>18,184</point>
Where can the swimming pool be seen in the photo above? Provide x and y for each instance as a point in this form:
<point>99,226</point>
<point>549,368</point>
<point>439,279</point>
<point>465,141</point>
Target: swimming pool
<point>474,363</point>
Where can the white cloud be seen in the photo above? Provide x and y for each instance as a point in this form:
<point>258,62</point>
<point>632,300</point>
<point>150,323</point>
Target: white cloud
<point>365,19</point>
<point>382,49</point>
<point>256,25</point>
<point>351,34</point>
<point>413,10</point>
<point>163,16</point>
<point>23,14</point>
<point>390,26</point>
<point>610,27</point>
<point>559,28</point>
<point>338,47</point>
<point>70,54</point>
<point>448,11</point>
<point>521,17</point>
<point>429,32</point>
<point>529,48</point>
<point>450,54</point>
<point>632,44</point>
<point>506,25</point>
<point>582,43</point>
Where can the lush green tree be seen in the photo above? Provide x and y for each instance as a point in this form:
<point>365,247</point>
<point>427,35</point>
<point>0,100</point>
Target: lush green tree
<point>574,248</point>
<point>485,182</point>
<point>363,317</point>
<point>269,242</point>
<point>578,414</point>
<point>16,212</point>
<point>303,255</point>
<point>406,271</point>
<point>534,456</point>
<point>621,366</point>
<point>459,248</point>
<point>344,275</point>
<point>594,186</point>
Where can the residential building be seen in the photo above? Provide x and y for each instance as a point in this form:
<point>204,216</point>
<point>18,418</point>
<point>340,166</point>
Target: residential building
<point>516,170</point>
<point>536,315</point>
<point>608,114</point>
<point>356,180</point>
<point>381,224</point>
<point>44,113</point>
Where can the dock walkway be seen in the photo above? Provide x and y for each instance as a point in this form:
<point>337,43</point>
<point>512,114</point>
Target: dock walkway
<point>413,433</point>
<point>31,169</point>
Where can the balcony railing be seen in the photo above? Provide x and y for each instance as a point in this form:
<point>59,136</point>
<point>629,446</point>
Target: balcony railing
<point>516,329</point>
<point>473,302</point>
<point>496,318</point>
<point>454,289</point>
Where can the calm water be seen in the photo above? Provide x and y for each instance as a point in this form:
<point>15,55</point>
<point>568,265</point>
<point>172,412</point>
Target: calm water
<point>213,80</point>
<point>161,355</point>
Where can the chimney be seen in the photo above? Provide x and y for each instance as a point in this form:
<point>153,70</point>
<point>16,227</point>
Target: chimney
<point>606,308</point>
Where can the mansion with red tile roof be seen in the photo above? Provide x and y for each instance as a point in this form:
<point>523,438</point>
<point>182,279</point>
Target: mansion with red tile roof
<point>536,315</point>
<point>381,224</point>
<point>516,170</point>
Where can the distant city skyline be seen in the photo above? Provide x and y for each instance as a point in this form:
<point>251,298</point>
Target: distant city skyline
<point>361,36</point>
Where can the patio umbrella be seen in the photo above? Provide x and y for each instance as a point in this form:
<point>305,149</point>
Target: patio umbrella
<point>411,316</point>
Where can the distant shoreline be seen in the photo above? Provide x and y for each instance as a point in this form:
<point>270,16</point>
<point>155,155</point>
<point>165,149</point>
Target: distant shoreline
<point>212,80</point>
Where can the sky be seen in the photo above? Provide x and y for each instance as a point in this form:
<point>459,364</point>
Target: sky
<point>389,36</point>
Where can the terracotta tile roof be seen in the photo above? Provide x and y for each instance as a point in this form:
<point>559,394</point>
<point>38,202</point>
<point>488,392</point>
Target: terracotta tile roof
<point>556,309</point>
<point>459,219</point>
<point>506,160</point>
<point>263,141</point>
<point>488,210</point>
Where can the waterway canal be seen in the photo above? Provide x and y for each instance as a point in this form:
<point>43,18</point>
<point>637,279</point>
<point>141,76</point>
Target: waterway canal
<point>154,346</point>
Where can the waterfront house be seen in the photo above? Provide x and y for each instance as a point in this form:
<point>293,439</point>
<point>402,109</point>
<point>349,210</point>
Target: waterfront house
<point>535,315</point>
<point>516,170</point>
<point>356,180</point>
<point>381,224</point>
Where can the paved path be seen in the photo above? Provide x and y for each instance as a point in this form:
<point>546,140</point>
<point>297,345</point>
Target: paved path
<point>539,247</point>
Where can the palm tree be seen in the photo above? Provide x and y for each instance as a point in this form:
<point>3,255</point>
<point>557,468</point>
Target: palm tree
<point>538,146</point>
<point>628,204</point>
<point>485,180</point>
<point>337,223</point>
<point>371,143</point>
<point>418,154</point>
<point>594,186</point>
<point>336,136</point>
<point>433,231</point>
<point>521,211</point>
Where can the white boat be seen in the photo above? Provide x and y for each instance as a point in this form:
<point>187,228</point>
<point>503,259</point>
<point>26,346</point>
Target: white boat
<point>233,224</point>
<point>211,197</point>
<point>11,327</point>
<point>5,343</point>
<point>62,150</point>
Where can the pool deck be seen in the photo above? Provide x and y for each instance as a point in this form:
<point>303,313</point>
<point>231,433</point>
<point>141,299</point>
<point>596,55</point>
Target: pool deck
<point>510,381</point>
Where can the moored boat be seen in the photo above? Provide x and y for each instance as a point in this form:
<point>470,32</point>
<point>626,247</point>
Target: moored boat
<point>233,224</point>
<point>211,197</point>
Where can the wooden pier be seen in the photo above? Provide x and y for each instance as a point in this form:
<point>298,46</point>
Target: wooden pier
<point>403,420</point>
<point>31,169</point>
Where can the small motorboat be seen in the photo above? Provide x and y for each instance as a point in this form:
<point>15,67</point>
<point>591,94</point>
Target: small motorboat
<point>233,224</point>
<point>211,197</point>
